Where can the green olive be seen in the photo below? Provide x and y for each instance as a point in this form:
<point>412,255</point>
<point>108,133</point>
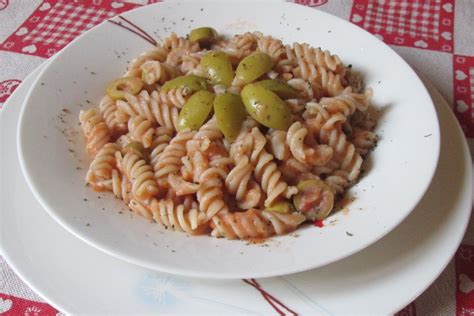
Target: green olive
<point>192,82</point>
<point>284,207</point>
<point>266,107</point>
<point>218,67</point>
<point>203,35</point>
<point>253,67</point>
<point>196,110</point>
<point>315,199</point>
<point>135,147</point>
<point>230,114</point>
<point>282,89</point>
<point>117,88</point>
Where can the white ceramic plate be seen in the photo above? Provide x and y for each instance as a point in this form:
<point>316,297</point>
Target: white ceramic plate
<point>78,279</point>
<point>51,148</point>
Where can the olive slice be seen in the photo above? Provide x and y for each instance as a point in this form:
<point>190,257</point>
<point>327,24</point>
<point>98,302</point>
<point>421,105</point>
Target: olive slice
<point>315,199</point>
<point>118,88</point>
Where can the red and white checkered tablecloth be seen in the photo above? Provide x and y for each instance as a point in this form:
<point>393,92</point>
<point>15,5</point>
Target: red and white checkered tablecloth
<point>424,32</point>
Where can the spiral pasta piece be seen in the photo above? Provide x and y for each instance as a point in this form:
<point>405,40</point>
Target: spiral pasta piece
<point>338,181</point>
<point>151,107</point>
<point>177,48</point>
<point>140,175</point>
<point>180,186</point>
<point>177,217</point>
<point>254,224</point>
<point>174,41</point>
<point>210,167</point>
<point>319,155</point>
<point>277,144</point>
<point>120,186</point>
<point>271,46</point>
<point>191,64</point>
<point>154,71</point>
<point>292,169</point>
<point>363,140</point>
<point>210,194</point>
<point>240,46</point>
<point>140,209</point>
<point>210,130</point>
<point>161,139</point>
<point>95,130</point>
<point>157,53</point>
<point>347,102</point>
<point>322,81</point>
<point>330,82</point>
<point>240,182</point>
<point>203,140</point>
<point>304,87</point>
<point>194,164</point>
<point>108,109</point>
<point>176,97</point>
<point>102,166</point>
<point>266,170</point>
<point>330,167</point>
<point>321,59</point>
<point>284,68</point>
<point>170,159</point>
<point>328,129</point>
<point>142,130</point>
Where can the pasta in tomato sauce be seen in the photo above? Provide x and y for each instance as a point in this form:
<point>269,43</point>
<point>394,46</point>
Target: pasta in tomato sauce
<point>242,137</point>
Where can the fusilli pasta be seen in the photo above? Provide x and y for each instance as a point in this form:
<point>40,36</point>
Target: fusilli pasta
<point>102,166</point>
<point>254,224</point>
<point>237,168</point>
<point>140,175</point>
<point>170,159</point>
<point>95,130</point>
<point>149,106</point>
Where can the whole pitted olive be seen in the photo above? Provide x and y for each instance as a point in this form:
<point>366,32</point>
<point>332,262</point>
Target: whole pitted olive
<point>230,113</point>
<point>253,67</point>
<point>266,107</point>
<point>218,67</point>
<point>196,110</point>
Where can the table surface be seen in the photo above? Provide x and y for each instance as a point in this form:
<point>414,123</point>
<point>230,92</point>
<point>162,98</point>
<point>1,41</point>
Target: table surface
<point>434,36</point>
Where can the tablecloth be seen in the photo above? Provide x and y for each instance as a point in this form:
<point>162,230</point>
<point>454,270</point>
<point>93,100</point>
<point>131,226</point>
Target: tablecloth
<point>435,36</point>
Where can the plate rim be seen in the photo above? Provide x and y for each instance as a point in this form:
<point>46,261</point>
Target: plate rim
<point>159,266</point>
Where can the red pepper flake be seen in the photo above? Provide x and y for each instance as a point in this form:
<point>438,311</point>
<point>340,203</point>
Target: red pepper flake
<point>318,223</point>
